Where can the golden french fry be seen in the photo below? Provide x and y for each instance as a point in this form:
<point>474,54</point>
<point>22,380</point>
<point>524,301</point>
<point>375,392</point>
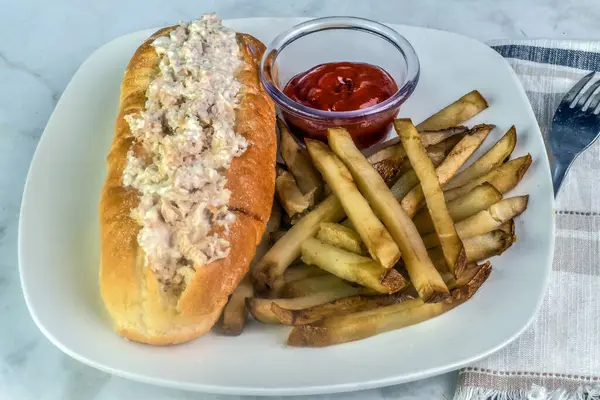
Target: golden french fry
<point>492,218</point>
<point>310,285</point>
<point>490,160</point>
<point>279,169</point>
<point>274,222</point>
<point>343,306</point>
<point>480,198</point>
<point>298,162</point>
<point>374,235</point>
<point>482,247</point>
<point>456,113</point>
<point>340,236</point>
<point>360,325</point>
<point>348,224</point>
<point>356,326</point>
<point>446,170</point>
<point>234,315</point>
<point>409,179</point>
<point>390,161</point>
<point>405,184</point>
<point>423,275</point>
<point>390,169</point>
<point>472,275</point>
<point>477,248</point>
<point>509,228</point>
<point>485,221</point>
<point>503,178</point>
<point>435,137</point>
<point>301,271</point>
<point>352,267</point>
<point>289,194</point>
<point>261,308</point>
<point>287,249</point>
<point>393,150</point>
<point>430,188</point>
<point>275,236</point>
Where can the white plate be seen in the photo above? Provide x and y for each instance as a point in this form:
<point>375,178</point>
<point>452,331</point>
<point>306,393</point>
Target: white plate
<point>59,244</point>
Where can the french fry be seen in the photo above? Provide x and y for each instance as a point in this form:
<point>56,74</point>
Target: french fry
<point>504,178</point>
<point>299,164</point>
<point>487,245</point>
<point>393,150</point>
<point>279,169</point>
<point>261,308</point>
<point>275,236</point>
<point>389,170</point>
<point>480,198</point>
<point>490,160</point>
<point>442,124</point>
<point>446,170</point>
<point>352,267</point>
<point>314,284</point>
<point>409,179</point>
<point>348,224</point>
<point>360,325</point>
<point>395,165</point>
<point>492,218</point>
<point>405,184</point>
<point>340,236</point>
<point>374,235</point>
<point>287,249</point>
<point>439,136</point>
<point>509,228</point>
<point>485,221</point>
<point>477,248</point>
<point>234,315</point>
<point>423,274</point>
<point>289,194</point>
<point>470,274</point>
<point>431,191</point>
<point>343,306</point>
<point>333,330</point>
<point>274,222</point>
<point>456,113</point>
<point>301,271</point>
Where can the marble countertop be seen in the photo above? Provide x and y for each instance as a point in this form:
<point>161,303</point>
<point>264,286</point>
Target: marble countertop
<point>41,48</point>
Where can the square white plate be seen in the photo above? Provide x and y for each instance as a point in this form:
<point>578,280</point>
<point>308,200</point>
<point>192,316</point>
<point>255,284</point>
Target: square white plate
<point>59,243</point>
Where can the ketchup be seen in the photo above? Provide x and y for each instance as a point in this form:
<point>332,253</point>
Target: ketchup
<point>343,86</point>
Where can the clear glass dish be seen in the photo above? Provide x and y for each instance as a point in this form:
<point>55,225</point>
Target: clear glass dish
<point>335,39</point>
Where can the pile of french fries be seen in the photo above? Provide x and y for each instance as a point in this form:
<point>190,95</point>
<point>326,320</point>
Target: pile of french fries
<point>357,245</point>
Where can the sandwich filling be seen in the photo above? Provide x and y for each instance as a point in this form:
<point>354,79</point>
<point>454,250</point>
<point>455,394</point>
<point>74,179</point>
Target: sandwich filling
<point>184,144</point>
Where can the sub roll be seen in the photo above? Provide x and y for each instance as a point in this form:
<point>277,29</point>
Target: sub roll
<point>190,181</point>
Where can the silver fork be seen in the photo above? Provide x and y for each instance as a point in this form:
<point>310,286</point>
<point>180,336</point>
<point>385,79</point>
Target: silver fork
<point>573,129</point>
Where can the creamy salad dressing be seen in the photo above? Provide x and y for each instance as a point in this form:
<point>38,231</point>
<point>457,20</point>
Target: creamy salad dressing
<point>187,128</point>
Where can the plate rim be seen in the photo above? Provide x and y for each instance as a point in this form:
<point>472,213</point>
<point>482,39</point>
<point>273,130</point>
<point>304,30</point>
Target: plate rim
<point>308,390</point>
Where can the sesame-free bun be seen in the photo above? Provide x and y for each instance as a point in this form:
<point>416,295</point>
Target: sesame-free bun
<point>139,308</point>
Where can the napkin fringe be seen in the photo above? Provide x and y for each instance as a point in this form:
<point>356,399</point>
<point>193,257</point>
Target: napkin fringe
<point>584,392</point>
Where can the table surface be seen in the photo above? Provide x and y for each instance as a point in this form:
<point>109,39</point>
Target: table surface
<point>41,48</point>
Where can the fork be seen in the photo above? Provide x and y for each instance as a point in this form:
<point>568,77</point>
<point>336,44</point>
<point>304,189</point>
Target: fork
<point>573,129</point>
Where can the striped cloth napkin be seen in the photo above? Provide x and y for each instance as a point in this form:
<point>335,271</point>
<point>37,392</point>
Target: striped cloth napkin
<point>558,356</point>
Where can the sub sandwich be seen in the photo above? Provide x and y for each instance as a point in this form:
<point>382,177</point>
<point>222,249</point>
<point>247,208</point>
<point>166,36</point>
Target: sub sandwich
<point>190,181</point>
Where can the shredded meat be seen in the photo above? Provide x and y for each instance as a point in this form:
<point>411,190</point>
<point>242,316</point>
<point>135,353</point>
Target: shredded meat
<point>187,131</point>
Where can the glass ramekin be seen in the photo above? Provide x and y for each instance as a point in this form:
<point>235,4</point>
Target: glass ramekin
<point>335,39</point>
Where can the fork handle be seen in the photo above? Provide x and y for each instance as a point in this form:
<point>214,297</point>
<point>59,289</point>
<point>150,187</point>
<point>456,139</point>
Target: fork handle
<point>559,170</point>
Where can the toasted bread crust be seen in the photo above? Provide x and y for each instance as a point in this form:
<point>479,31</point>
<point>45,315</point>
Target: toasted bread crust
<point>140,310</point>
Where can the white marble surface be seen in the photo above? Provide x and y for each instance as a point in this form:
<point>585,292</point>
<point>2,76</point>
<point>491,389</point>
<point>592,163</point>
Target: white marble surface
<point>41,46</point>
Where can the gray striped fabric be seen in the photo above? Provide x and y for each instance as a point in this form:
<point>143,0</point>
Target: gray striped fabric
<point>558,357</point>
